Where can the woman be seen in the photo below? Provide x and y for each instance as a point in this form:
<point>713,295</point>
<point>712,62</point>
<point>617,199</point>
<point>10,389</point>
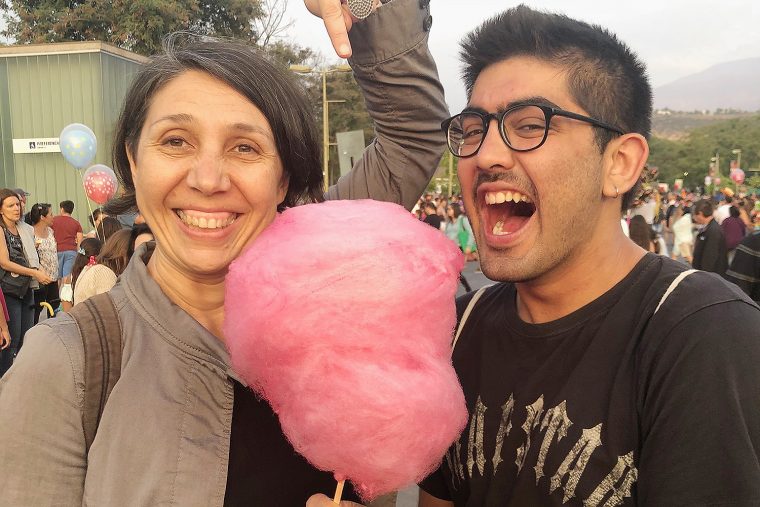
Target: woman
<point>41,218</point>
<point>95,218</point>
<point>734,231</point>
<point>101,272</point>
<point>459,231</point>
<point>641,233</point>
<point>87,254</point>
<point>15,276</point>
<point>683,234</point>
<point>139,234</point>
<point>209,156</point>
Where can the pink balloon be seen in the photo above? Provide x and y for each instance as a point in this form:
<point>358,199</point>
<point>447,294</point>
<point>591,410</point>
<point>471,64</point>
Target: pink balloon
<point>100,183</point>
<point>737,175</point>
<point>716,181</point>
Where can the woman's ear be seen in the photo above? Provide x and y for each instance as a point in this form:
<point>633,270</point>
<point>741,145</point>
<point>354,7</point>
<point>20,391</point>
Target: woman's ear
<point>624,159</point>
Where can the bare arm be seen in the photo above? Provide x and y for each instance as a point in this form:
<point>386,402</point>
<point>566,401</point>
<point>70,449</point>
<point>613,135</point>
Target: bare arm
<point>79,238</point>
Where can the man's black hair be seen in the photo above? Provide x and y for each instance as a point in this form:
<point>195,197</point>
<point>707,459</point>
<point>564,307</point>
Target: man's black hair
<point>703,206</point>
<point>67,206</point>
<point>605,77</point>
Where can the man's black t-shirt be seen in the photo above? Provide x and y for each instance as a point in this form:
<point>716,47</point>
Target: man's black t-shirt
<point>264,470</point>
<point>612,404</point>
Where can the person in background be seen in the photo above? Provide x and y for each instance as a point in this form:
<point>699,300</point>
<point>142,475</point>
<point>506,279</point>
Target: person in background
<point>722,212</point>
<point>744,270</point>
<point>101,272</point>
<point>683,233</point>
<point>95,218</point>
<point>107,227</point>
<point>710,246</point>
<point>68,235</point>
<point>641,233</point>
<point>139,234</point>
<point>26,231</point>
<point>87,254</point>
<point>431,215</point>
<point>733,231</point>
<point>14,263</point>
<point>5,333</point>
<point>41,218</point>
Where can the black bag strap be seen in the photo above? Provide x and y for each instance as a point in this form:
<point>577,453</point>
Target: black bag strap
<point>100,329</point>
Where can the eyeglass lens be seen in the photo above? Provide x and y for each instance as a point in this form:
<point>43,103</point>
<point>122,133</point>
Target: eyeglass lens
<point>523,127</point>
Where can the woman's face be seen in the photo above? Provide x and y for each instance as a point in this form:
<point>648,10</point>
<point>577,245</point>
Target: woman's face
<point>11,209</point>
<point>207,174</point>
<point>48,219</point>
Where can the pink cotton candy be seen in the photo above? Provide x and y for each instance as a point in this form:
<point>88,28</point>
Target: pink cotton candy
<point>347,328</point>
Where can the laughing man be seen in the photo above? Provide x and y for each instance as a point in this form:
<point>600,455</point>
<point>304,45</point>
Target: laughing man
<point>595,373</point>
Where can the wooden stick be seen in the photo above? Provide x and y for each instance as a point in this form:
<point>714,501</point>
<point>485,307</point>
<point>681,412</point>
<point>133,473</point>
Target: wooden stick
<point>338,492</point>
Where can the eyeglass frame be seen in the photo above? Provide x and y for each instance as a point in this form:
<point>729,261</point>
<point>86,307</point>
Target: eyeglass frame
<point>549,113</point>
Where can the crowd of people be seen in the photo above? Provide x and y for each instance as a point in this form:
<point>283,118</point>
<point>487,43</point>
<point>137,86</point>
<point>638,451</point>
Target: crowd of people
<point>47,265</point>
<point>716,233</point>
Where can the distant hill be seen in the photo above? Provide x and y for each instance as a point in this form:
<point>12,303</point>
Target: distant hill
<point>675,125</point>
<point>729,85</point>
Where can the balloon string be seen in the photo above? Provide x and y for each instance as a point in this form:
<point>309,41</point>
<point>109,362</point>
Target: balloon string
<point>338,492</point>
<point>89,206</point>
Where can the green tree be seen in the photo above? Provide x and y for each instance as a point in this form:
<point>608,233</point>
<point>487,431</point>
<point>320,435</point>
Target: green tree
<point>136,25</point>
<point>692,154</point>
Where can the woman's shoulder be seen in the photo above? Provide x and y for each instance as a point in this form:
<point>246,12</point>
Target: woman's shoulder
<point>52,359</point>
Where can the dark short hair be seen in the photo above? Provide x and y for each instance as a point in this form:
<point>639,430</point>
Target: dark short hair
<point>67,206</point>
<point>703,206</point>
<point>107,228</point>
<point>94,216</point>
<point>270,87</point>
<point>605,77</point>
<point>38,211</point>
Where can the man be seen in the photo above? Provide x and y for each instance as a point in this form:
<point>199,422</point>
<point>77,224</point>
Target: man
<point>68,235</point>
<point>580,390</point>
<point>723,211</point>
<point>710,253</point>
<point>431,215</point>
<point>745,267</point>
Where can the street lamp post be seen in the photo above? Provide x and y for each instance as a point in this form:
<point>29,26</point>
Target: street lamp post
<point>304,69</point>
<point>738,154</point>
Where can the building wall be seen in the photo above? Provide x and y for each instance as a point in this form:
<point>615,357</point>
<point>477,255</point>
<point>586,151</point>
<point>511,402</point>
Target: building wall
<point>45,93</point>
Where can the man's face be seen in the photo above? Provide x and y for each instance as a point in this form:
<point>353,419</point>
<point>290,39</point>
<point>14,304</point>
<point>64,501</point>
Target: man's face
<point>558,186</point>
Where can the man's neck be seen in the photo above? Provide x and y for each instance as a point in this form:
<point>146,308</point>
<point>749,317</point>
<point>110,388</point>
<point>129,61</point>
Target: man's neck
<point>202,298</point>
<point>578,280</point>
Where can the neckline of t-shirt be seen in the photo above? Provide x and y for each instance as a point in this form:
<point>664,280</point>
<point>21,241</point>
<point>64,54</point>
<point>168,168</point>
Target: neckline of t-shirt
<point>585,313</point>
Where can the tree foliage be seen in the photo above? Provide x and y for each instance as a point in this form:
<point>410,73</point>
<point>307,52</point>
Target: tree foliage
<point>136,25</point>
<point>692,155</point>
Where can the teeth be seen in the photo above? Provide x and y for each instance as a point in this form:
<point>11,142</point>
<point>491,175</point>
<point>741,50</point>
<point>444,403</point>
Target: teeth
<point>497,229</point>
<point>506,196</point>
<point>205,223</point>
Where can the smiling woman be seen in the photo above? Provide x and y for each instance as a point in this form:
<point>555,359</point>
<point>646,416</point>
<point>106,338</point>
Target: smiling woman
<point>213,141</point>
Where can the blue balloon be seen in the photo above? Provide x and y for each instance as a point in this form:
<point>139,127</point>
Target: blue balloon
<point>78,145</point>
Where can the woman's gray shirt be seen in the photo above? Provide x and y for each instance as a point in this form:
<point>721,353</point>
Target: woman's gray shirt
<point>165,433</point>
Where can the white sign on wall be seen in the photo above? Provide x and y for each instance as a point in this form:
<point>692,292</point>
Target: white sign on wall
<point>37,145</point>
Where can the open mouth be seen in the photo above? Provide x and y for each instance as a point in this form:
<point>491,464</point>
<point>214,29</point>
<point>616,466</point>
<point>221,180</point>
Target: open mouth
<point>206,220</point>
<point>507,211</point>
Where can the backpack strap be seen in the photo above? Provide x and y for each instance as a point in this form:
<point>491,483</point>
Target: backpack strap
<point>467,312</point>
<point>100,329</point>
<point>676,281</point>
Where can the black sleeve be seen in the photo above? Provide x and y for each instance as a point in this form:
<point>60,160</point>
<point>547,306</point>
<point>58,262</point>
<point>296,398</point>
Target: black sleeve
<point>712,251</point>
<point>745,269</point>
<point>700,411</point>
<point>435,484</point>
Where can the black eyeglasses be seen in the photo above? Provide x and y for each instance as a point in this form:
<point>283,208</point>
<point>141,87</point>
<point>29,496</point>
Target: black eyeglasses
<point>522,128</point>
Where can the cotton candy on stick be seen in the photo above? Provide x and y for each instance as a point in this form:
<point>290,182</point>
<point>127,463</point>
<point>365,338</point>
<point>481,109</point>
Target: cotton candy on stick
<point>348,334</point>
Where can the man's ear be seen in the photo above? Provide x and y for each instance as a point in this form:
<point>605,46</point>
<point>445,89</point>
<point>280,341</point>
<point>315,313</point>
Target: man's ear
<point>624,159</point>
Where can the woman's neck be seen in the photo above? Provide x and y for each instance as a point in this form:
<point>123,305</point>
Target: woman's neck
<point>41,230</point>
<point>201,297</point>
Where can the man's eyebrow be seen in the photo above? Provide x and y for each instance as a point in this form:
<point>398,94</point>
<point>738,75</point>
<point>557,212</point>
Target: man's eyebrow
<point>527,101</point>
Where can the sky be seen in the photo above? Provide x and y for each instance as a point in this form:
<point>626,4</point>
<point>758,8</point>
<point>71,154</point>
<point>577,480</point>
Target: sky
<point>674,38</point>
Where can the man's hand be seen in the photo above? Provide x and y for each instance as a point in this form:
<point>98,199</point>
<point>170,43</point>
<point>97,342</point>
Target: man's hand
<point>338,21</point>
<point>323,501</point>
